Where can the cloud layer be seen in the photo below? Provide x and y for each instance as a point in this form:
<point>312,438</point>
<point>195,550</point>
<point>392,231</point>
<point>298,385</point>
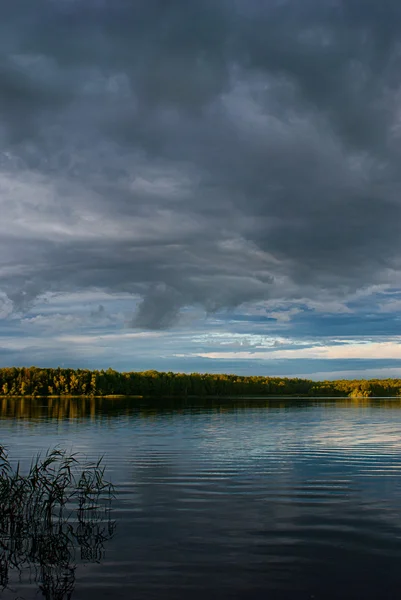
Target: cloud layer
<point>204,156</point>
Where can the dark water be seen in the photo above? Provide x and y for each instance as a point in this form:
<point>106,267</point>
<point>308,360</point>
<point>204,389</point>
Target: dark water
<point>264,499</point>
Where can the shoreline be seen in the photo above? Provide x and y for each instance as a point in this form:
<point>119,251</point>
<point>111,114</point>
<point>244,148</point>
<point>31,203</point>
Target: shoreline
<point>198,397</point>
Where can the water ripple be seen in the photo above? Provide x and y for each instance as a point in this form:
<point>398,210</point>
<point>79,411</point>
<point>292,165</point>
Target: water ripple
<point>291,501</point>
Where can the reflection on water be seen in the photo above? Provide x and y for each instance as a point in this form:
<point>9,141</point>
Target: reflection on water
<point>49,553</point>
<point>94,408</point>
<point>238,499</point>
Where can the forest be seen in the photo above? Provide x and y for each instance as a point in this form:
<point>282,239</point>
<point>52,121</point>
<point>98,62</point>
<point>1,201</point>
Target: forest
<point>37,382</point>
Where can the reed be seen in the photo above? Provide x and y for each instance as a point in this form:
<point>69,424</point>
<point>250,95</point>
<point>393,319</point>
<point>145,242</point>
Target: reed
<point>60,506</point>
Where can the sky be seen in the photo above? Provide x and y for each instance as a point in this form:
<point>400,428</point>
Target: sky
<point>201,185</point>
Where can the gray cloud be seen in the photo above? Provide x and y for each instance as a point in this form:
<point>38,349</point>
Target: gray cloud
<point>199,153</point>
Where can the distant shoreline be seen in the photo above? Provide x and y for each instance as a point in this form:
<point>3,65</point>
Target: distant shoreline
<point>161,396</point>
<point>84,383</point>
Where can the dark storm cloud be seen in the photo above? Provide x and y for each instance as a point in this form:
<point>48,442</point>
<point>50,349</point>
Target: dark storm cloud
<point>201,152</point>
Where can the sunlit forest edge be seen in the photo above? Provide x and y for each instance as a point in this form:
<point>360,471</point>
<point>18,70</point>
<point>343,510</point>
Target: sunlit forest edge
<point>37,382</point>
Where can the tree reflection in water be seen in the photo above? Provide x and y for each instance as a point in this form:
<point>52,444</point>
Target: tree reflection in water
<point>56,515</point>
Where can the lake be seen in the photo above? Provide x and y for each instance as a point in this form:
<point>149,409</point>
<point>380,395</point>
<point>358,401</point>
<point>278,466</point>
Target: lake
<point>230,499</point>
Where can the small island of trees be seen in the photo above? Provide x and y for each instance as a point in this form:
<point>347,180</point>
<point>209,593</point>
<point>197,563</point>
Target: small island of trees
<point>34,381</point>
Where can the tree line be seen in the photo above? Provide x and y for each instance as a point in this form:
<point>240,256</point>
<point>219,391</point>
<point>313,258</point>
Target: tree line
<point>34,381</point>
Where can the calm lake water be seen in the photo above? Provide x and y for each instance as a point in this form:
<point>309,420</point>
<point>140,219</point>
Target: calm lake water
<point>245,499</point>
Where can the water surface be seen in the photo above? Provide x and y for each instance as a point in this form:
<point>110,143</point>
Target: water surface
<point>246,499</point>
